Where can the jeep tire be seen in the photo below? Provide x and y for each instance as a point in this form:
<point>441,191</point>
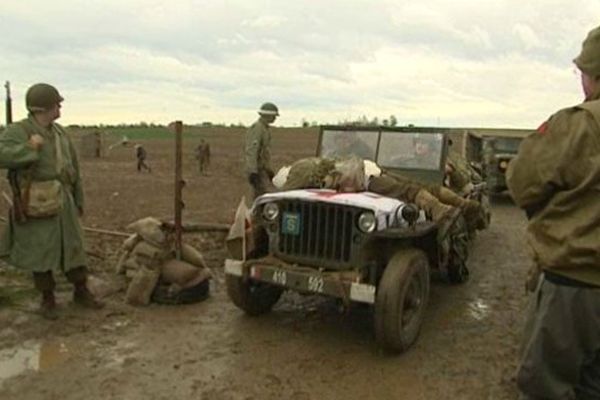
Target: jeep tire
<point>255,298</point>
<point>401,299</point>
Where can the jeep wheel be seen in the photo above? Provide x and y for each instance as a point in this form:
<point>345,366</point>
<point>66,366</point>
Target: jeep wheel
<point>401,300</point>
<point>255,298</point>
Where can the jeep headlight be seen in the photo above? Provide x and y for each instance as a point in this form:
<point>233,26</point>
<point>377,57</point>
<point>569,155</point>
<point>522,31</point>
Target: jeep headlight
<point>367,222</point>
<point>408,212</point>
<point>503,164</point>
<point>270,211</point>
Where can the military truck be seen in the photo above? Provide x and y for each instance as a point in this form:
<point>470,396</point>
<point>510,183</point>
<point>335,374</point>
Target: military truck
<point>490,150</point>
<point>356,247</point>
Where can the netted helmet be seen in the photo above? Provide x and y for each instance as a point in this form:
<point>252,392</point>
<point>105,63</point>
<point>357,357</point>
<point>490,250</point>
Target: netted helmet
<point>41,97</point>
<point>268,109</point>
<point>588,61</point>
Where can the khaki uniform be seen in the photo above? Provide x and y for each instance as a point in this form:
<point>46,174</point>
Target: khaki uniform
<point>434,199</point>
<point>555,178</point>
<point>462,176</point>
<point>44,244</point>
<point>257,156</point>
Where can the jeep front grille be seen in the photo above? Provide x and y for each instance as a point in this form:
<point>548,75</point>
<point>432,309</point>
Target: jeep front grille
<point>324,237</point>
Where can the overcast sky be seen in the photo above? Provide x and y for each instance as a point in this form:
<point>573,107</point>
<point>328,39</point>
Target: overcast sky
<point>493,63</point>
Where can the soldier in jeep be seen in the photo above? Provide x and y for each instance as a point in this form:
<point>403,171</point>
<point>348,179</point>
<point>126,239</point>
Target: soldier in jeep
<point>436,200</point>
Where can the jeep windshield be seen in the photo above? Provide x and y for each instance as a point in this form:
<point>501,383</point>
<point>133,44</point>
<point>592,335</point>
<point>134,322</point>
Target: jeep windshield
<point>344,143</point>
<point>419,151</point>
<point>507,145</point>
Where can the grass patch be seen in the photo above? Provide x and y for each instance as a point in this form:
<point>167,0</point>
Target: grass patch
<point>11,296</point>
<point>16,286</point>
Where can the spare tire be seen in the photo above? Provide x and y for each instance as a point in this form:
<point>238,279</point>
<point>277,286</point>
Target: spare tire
<point>195,294</point>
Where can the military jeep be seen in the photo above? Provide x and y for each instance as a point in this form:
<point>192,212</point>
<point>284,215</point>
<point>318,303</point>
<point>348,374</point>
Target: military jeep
<point>490,151</point>
<point>356,247</point>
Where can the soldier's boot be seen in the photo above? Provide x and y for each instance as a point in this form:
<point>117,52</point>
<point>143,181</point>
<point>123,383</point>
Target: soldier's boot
<point>44,283</point>
<point>438,211</point>
<point>474,214</point>
<point>81,294</point>
<point>83,297</point>
<point>48,308</point>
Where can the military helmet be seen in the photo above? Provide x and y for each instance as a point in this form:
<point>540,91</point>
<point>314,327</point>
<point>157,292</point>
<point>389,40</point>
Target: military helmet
<point>41,97</point>
<point>268,109</point>
<point>588,61</point>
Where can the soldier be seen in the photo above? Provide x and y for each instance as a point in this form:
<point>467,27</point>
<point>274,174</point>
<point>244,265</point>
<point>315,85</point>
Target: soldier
<point>202,154</point>
<point>555,179</point>
<point>425,153</point>
<point>436,200</point>
<point>140,154</point>
<point>258,150</point>
<point>460,176</point>
<point>347,144</point>
<point>97,144</point>
<point>46,237</point>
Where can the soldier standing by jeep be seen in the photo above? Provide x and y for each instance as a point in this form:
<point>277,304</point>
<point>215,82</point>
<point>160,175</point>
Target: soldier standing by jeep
<point>258,150</point>
<point>46,236</point>
<point>555,178</point>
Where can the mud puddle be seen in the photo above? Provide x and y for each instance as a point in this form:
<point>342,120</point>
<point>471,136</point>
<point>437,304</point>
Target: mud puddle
<point>33,356</point>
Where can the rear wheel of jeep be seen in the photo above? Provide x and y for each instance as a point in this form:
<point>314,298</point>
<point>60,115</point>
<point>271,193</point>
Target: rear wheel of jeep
<point>255,298</point>
<point>401,300</point>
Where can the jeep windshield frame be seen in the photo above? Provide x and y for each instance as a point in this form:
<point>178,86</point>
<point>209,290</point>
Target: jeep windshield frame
<point>392,148</point>
<point>506,145</point>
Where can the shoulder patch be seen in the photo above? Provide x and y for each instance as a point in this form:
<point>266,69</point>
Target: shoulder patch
<point>543,128</point>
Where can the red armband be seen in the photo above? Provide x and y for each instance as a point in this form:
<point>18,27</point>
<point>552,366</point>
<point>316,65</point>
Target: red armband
<point>542,128</point>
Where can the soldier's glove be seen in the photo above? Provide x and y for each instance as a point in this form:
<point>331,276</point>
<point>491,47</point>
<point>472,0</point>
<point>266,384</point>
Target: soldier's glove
<point>254,179</point>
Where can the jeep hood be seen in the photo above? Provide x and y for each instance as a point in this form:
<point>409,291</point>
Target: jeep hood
<point>384,208</point>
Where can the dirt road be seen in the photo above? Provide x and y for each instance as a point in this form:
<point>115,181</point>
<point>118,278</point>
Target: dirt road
<point>305,349</point>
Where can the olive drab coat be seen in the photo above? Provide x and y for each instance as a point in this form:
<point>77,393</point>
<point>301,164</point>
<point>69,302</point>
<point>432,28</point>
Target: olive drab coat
<point>258,148</point>
<point>50,243</point>
<point>461,175</point>
<point>556,179</point>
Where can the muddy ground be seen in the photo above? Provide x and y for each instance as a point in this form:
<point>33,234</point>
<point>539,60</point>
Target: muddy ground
<point>305,349</point>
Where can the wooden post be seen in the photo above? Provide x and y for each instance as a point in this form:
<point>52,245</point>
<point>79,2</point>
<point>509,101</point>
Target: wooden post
<point>178,188</point>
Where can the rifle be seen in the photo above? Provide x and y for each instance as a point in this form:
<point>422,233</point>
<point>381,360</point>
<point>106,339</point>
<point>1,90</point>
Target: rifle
<point>17,209</point>
<point>18,213</point>
<point>8,104</point>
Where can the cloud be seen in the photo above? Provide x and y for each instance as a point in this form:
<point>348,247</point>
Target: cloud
<point>465,62</point>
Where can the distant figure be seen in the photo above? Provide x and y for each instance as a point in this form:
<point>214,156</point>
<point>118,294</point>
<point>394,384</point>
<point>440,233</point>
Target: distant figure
<point>140,153</point>
<point>97,144</point>
<point>202,154</point>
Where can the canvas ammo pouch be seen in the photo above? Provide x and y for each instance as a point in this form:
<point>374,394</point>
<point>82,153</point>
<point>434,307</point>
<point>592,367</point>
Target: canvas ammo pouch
<point>43,199</point>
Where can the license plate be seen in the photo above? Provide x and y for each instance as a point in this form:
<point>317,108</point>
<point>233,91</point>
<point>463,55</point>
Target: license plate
<point>290,223</point>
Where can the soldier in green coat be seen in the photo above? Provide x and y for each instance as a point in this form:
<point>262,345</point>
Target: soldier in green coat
<point>45,237</point>
<point>258,150</point>
<point>555,178</point>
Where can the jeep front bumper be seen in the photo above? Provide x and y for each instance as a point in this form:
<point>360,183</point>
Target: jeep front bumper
<point>345,285</point>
